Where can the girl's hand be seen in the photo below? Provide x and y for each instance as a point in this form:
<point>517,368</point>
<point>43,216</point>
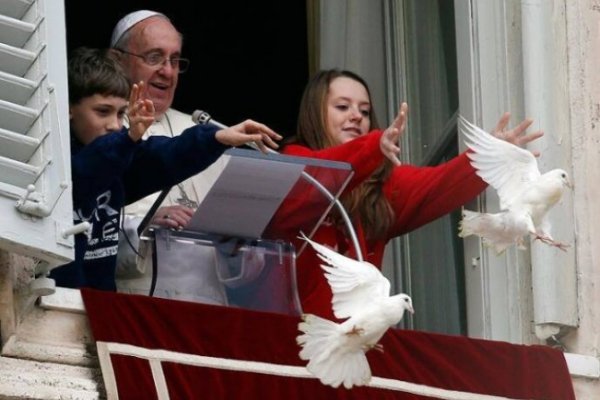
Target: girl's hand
<point>516,135</point>
<point>389,140</point>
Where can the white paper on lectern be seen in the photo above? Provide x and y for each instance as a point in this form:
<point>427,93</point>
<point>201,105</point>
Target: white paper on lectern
<point>245,196</point>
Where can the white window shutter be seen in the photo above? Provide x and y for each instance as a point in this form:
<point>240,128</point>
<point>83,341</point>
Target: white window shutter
<point>35,172</point>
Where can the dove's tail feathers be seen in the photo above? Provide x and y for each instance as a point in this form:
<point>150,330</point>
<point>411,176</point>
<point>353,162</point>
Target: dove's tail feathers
<point>475,223</point>
<point>471,223</point>
<point>319,338</point>
<point>334,366</point>
<point>348,369</point>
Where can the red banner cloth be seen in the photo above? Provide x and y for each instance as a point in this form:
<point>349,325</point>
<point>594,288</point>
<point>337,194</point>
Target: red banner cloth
<point>154,348</point>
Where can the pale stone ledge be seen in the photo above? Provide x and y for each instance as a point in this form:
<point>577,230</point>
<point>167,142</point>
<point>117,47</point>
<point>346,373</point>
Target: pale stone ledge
<point>56,333</point>
<point>63,299</point>
<point>583,366</point>
<point>25,379</point>
<point>75,355</point>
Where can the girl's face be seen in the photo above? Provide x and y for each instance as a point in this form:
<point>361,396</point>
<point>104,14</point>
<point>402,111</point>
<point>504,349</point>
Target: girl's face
<point>96,115</point>
<point>348,110</point>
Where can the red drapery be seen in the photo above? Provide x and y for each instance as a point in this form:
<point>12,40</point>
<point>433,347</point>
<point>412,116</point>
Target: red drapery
<point>148,346</point>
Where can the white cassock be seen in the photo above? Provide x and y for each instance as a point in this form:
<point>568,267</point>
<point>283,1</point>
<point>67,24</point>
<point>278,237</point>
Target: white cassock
<point>184,280</point>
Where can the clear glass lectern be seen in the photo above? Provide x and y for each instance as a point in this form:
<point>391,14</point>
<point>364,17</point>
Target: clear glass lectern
<point>236,249</point>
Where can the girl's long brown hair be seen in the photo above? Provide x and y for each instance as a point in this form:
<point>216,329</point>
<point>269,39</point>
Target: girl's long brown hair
<point>367,201</point>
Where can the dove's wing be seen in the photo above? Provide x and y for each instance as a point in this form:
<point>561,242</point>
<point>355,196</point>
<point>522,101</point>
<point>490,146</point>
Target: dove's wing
<point>506,167</point>
<point>354,284</point>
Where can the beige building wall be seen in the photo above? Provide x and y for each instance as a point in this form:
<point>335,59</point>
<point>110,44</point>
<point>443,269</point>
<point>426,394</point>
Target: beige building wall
<point>47,352</point>
<point>583,38</point>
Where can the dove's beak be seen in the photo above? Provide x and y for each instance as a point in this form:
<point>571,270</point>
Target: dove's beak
<point>411,310</point>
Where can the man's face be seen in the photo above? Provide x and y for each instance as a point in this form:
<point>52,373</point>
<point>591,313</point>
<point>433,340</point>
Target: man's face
<point>154,35</point>
<point>97,115</point>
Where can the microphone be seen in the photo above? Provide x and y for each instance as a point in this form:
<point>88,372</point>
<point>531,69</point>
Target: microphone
<point>203,118</point>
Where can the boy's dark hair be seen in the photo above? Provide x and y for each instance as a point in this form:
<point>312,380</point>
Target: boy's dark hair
<point>94,71</point>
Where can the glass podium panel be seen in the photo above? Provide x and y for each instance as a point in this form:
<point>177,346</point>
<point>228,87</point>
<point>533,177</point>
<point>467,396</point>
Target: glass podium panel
<point>254,274</point>
<point>256,203</point>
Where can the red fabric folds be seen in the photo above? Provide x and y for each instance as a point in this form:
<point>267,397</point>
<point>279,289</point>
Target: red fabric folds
<point>450,363</point>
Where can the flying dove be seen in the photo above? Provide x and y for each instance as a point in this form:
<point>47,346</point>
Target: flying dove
<point>525,194</point>
<point>336,351</point>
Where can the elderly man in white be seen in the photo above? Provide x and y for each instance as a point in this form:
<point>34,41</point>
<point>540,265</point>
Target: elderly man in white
<point>149,49</point>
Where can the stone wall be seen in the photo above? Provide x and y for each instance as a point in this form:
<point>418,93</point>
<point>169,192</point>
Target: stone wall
<point>47,349</point>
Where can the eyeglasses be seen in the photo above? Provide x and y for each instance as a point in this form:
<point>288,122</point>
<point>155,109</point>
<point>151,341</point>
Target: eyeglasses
<point>156,59</point>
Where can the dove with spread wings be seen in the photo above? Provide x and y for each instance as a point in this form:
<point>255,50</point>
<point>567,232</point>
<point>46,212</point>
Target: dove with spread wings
<point>526,195</point>
<point>336,351</point>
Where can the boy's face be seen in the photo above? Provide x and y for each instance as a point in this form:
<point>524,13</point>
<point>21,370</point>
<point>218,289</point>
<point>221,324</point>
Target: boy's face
<point>96,115</point>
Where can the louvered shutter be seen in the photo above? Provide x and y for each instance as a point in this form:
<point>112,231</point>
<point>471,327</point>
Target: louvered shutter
<point>35,174</point>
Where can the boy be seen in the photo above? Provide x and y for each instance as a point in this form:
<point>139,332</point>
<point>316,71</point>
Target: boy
<point>112,167</point>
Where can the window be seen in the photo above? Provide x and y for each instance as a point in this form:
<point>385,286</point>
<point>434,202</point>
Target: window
<point>432,261</point>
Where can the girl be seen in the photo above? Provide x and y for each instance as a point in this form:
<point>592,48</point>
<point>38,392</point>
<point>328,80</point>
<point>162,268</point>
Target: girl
<point>384,199</point>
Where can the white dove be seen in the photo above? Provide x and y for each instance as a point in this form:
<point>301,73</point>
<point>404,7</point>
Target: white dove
<point>525,194</point>
<point>336,352</point>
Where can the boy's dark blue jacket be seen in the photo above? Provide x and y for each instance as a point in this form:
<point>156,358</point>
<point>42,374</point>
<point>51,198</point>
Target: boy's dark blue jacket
<point>113,171</point>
